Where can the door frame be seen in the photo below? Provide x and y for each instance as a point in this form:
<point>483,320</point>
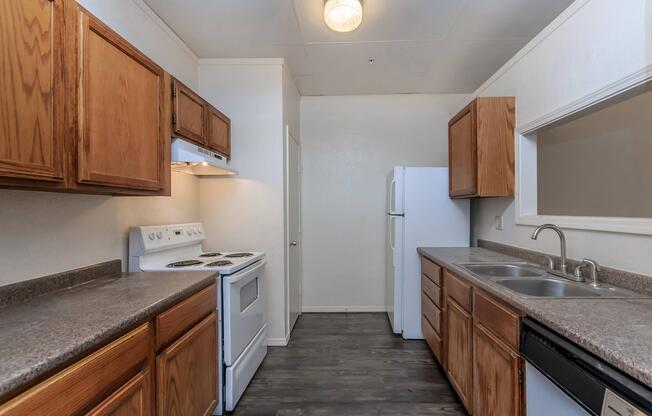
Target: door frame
<point>286,144</point>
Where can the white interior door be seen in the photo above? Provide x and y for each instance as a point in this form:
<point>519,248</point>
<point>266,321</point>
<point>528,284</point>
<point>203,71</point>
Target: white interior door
<point>294,229</point>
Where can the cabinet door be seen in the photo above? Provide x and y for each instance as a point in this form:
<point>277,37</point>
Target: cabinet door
<point>31,90</point>
<point>189,114</point>
<point>186,382</point>
<point>497,390</point>
<point>219,132</point>
<point>460,351</point>
<point>462,154</point>
<point>134,398</point>
<point>120,114</point>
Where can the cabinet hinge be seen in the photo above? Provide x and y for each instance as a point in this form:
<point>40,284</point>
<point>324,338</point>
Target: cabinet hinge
<point>520,376</point>
<point>174,119</point>
<point>174,92</point>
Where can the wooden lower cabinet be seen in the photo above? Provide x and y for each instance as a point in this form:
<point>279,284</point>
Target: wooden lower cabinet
<point>497,387</point>
<point>127,378</point>
<point>477,342</point>
<point>186,381</point>
<point>88,381</point>
<point>134,398</point>
<point>459,347</point>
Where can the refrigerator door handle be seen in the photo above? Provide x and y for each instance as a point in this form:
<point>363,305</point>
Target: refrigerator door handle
<point>391,234</point>
<point>395,214</point>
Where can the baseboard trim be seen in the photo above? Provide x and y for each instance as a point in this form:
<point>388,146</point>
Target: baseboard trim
<point>350,309</point>
<point>277,342</point>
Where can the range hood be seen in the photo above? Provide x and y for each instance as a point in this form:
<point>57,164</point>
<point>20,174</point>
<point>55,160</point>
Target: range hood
<point>189,158</point>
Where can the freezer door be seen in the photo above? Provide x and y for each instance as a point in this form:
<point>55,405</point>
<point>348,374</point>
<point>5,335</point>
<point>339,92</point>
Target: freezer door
<point>394,249</point>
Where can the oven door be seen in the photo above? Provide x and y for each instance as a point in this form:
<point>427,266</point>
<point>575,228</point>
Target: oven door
<point>244,309</point>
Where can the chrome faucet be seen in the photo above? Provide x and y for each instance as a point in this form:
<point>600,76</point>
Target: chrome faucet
<point>562,240</point>
<point>594,268</point>
<point>563,268</point>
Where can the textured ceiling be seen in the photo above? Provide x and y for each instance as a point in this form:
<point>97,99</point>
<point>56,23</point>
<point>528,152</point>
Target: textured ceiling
<point>418,46</point>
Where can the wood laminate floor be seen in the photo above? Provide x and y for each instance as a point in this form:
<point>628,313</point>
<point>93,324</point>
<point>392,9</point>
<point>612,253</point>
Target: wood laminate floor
<point>349,364</point>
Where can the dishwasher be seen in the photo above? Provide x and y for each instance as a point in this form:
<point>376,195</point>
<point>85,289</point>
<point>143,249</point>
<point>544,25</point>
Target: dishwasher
<point>561,379</point>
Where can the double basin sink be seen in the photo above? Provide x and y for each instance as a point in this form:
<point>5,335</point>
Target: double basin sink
<point>532,280</point>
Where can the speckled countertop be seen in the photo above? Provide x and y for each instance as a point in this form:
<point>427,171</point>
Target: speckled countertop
<point>47,331</point>
<point>617,330</point>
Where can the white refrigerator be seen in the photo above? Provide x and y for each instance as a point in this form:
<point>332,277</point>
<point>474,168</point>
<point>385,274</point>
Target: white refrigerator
<point>419,214</point>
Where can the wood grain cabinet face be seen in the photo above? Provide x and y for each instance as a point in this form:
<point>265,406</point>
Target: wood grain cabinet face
<point>88,381</point>
<point>481,149</point>
<point>218,132</point>
<point>190,114</point>
<point>187,372</point>
<point>121,105</point>
<point>31,90</point>
<point>459,339</point>
<point>134,398</point>
<point>496,368</point>
<point>461,144</point>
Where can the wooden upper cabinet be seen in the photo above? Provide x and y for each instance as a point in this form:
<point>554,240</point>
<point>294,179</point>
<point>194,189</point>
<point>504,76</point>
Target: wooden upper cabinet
<point>481,149</point>
<point>218,129</point>
<point>31,87</point>
<point>121,131</point>
<point>497,387</point>
<point>190,114</point>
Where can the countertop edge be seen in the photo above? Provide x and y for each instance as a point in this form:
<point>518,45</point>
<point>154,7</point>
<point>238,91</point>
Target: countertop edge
<point>612,357</point>
<point>51,365</point>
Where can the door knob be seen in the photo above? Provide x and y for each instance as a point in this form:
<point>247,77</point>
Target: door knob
<point>293,243</point>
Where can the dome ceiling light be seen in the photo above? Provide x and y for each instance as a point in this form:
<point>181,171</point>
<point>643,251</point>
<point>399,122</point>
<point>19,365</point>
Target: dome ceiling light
<point>343,15</point>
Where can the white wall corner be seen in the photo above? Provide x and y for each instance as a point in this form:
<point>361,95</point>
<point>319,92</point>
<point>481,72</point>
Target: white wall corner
<point>167,29</point>
<point>532,44</point>
<point>241,61</point>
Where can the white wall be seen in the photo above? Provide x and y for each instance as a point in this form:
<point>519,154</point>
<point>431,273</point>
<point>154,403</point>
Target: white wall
<point>46,233</point>
<point>349,144</point>
<point>247,212</point>
<point>136,22</point>
<point>590,46</point>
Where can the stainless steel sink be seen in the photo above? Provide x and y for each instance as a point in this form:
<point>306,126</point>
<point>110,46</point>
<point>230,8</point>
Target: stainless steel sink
<point>548,288</point>
<point>505,270</point>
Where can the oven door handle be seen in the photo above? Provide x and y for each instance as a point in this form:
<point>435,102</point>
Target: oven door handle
<point>247,273</point>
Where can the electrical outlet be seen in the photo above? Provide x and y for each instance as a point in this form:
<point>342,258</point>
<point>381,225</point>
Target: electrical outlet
<point>498,222</point>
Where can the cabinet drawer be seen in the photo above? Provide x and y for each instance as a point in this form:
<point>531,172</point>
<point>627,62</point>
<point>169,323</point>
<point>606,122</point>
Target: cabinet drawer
<point>431,312</point>
<point>501,319</point>
<point>133,398</point>
<point>458,289</point>
<point>181,317</point>
<point>432,270</point>
<point>87,381</point>
<point>432,290</point>
<point>433,340</point>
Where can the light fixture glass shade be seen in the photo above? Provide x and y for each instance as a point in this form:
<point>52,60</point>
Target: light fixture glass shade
<point>343,15</point>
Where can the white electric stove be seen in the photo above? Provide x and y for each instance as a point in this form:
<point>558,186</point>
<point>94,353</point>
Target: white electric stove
<point>242,324</point>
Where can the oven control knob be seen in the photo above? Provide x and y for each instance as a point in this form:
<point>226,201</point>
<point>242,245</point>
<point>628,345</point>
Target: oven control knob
<point>194,231</point>
<point>188,231</point>
<point>151,236</point>
<point>159,234</point>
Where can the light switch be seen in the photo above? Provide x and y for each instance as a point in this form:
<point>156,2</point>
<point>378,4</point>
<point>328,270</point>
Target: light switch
<point>498,222</point>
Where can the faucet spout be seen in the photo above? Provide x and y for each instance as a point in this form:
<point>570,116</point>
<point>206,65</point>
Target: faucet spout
<point>562,242</point>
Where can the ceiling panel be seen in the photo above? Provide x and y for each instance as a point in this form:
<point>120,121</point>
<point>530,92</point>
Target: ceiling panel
<point>418,46</point>
<point>506,19</point>
<point>203,22</point>
<point>383,20</point>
